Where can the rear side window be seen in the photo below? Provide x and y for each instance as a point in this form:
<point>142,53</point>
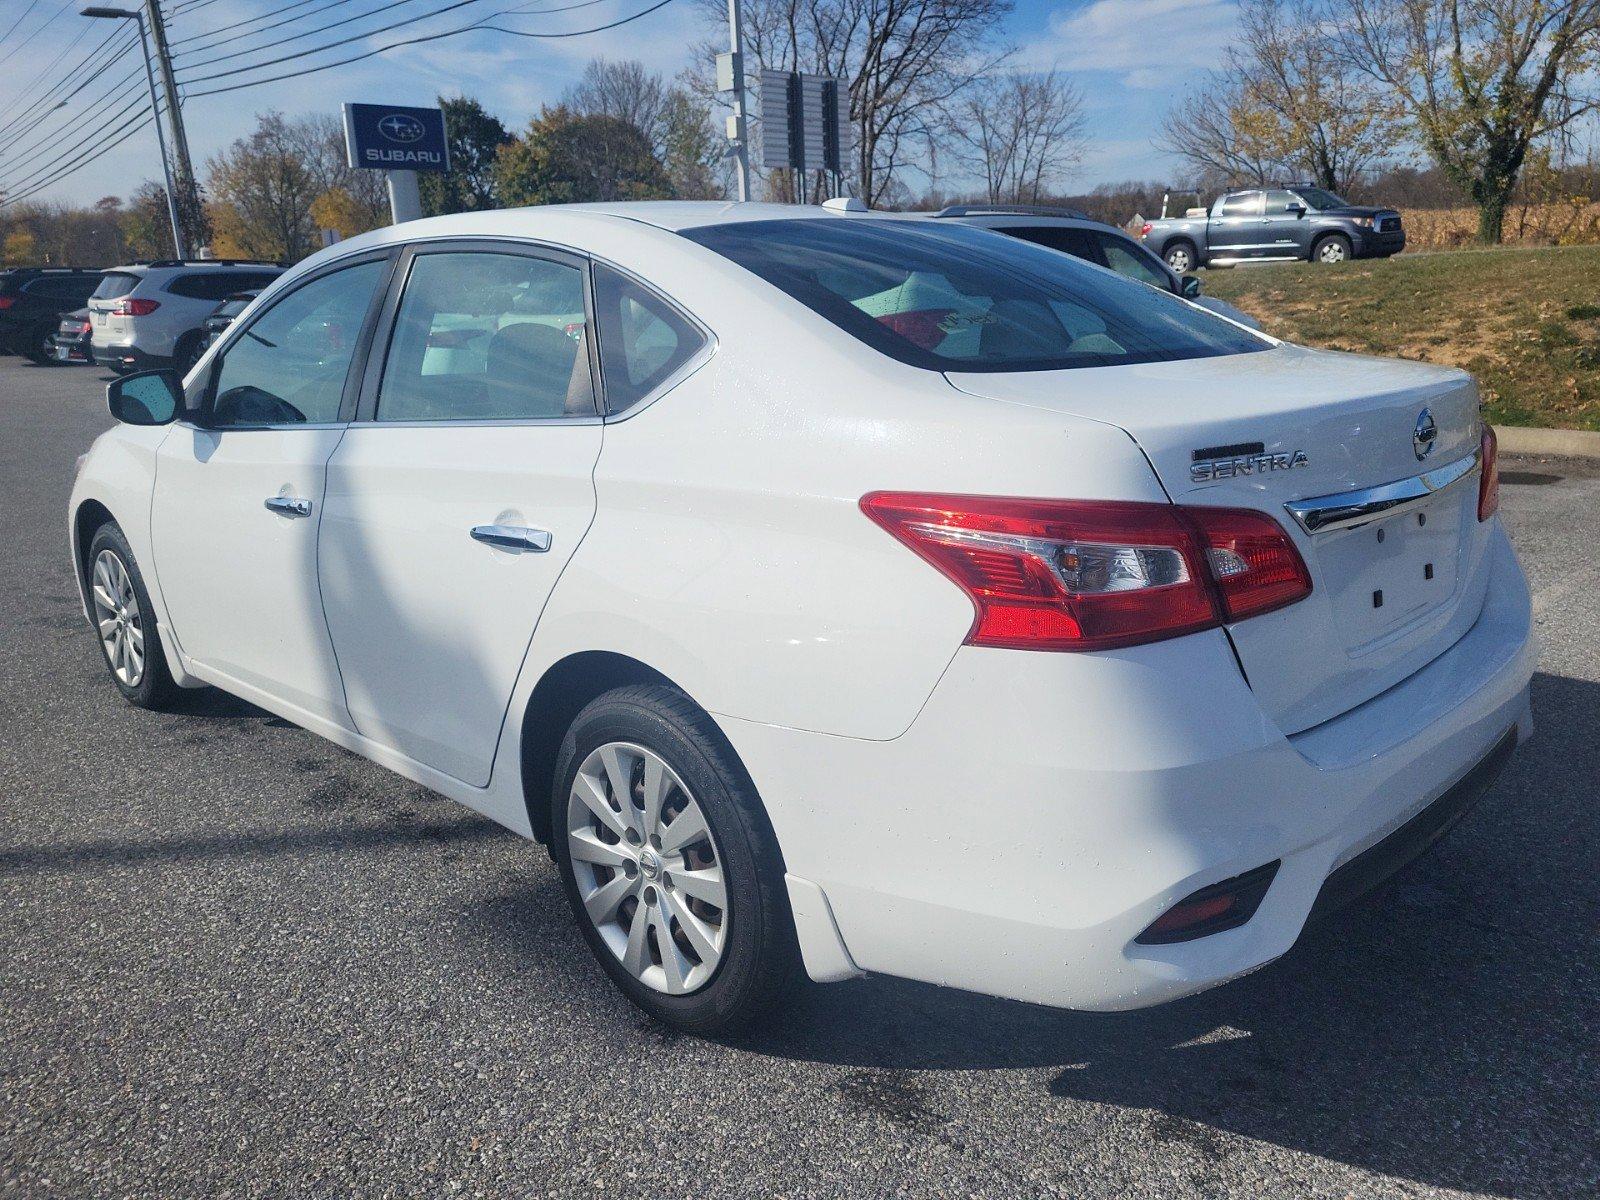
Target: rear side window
<point>63,287</point>
<point>1069,241</point>
<point>643,339</point>
<point>488,337</point>
<point>207,285</point>
<point>950,298</point>
<point>1245,204</point>
<point>114,284</point>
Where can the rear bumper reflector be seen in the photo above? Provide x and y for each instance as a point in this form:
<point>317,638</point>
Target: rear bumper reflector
<point>1213,909</point>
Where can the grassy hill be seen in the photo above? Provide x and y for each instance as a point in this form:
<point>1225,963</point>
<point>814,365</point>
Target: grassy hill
<point>1525,322</point>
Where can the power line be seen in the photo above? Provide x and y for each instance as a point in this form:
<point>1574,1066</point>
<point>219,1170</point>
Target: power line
<point>17,24</point>
<point>294,37</point>
<point>83,32</point>
<point>50,144</point>
<point>90,112</point>
<point>42,111</point>
<point>37,29</point>
<point>195,37</point>
<point>272,62</point>
<point>105,145</point>
<point>54,92</point>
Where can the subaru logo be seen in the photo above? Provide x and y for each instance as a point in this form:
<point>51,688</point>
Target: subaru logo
<point>1424,435</point>
<point>398,127</point>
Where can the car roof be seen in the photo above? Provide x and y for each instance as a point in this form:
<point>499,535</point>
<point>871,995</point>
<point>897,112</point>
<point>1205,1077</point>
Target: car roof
<point>1013,220</point>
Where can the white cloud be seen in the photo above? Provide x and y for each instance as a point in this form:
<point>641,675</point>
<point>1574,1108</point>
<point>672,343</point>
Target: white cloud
<point>1150,43</point>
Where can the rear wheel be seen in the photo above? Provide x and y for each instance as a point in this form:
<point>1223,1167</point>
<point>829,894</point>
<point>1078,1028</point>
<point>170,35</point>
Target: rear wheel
<point>1335,248</point>
<point>40,346</point>
<point>1181,257</point>
<point>669,862</point>
<point>125,622</point>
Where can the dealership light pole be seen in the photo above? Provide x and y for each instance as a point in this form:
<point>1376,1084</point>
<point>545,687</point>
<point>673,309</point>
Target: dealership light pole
<point>130,14</point>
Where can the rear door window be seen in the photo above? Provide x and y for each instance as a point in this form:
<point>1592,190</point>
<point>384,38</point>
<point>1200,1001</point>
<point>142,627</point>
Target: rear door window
<point>1245,204</point>
<point>488,337</point>
<point>1075,242</point>
<point>952,298</point>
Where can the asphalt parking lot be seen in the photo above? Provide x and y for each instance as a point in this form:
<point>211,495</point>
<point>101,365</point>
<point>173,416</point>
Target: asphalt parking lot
<point>237,961</point>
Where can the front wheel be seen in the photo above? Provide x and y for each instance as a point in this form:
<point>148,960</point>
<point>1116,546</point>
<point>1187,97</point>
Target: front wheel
<point>1334,248</point>
<point>1181,258</point>
<point>669,862</point>
<point>125,621</point>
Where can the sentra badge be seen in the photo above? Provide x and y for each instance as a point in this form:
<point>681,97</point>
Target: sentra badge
<point>1210,469</point>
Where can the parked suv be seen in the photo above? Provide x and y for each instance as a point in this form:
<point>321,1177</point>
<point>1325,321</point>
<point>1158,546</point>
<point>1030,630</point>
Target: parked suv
<point>1075,233</point>
<point>32,302</point>
<point>1275,223</point>
<point>150,315</point>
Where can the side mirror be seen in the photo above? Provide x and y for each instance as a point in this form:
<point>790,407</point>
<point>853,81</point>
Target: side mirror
<point>1298,210</point>
<point>1191,287</point>
<point>148,398</point>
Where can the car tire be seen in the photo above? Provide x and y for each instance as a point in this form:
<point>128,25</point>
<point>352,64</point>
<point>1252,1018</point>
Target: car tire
<point>629,886</point>
<point>117,596</point>
<point>1181,257</point>
<point>188,351</point>
<point>40,346</point>
<point>1331,249</point>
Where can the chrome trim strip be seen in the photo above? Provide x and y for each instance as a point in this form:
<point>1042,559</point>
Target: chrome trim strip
<point>1346,510</point>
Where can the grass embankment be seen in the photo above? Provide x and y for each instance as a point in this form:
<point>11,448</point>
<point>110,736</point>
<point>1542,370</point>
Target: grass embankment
<point>1525,322</point>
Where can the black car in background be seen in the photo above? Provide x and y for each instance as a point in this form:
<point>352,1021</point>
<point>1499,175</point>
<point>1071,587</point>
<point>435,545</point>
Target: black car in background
<point>217,323</point>
<point>32,302</point>
<point>72,338</point>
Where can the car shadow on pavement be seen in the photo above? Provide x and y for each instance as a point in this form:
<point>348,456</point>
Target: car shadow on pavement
<point>1444,1029</point>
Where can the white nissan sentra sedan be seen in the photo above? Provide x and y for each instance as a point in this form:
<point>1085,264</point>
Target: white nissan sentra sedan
<point>833,590</point>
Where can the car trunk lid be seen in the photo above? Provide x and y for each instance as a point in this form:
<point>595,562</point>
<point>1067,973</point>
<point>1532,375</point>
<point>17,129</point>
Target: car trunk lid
<point>1286,426</point>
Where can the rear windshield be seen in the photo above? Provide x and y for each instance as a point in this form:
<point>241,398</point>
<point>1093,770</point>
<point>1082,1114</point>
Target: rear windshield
<point>114,284</point>
<point>956,298</point>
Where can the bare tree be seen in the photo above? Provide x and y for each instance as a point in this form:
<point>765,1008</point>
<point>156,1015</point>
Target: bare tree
<point>1021,132</point>
<point>1286,101</point>
<point>626,90</point>
<point>905,61</point>
<point>1481,81</point>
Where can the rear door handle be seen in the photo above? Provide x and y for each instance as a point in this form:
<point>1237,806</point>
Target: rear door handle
<point>512,537</point>
<point>289,506</point>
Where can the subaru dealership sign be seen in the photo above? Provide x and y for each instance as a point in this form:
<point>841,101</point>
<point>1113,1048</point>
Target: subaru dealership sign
<point>388,137</point>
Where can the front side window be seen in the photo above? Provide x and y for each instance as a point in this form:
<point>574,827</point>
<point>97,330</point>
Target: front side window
<point>643,339</point>
<point>951,298</point>
<point>1320,198</point>
<point>1125,258</point>
<point>1279,203</point>
<point>1069,241</point>
<point>485,337</point>
<point>288,367</point>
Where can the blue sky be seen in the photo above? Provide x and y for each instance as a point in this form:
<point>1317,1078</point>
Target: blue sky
<point>1131,58</point>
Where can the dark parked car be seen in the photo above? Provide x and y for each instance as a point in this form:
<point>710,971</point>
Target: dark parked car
<point>1275,223</point>
<point>217,323</point>
<point>71,341</point>
<point>32,302</point>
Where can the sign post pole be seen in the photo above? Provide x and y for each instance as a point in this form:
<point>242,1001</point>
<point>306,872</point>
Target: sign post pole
<point>405,198</point>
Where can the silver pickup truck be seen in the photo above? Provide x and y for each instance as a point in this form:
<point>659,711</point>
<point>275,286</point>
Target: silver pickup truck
<point>1292,222</point>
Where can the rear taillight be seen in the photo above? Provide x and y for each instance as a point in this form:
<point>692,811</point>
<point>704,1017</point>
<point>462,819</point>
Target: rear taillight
<point>1489,478</point>
<point>6,302</point>
<point>1145,229</point>
<point>1091,574</point>
<point>135,308</point>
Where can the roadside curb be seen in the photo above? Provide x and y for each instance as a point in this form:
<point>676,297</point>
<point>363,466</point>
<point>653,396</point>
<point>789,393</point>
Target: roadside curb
<point>1558,443</point>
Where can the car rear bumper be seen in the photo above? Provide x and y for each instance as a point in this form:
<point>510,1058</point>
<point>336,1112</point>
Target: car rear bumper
<point>128,359</point>
<point>1044,809</point>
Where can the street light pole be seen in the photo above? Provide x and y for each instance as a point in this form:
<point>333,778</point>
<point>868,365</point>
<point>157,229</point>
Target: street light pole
<point>741,127</point>
<point>128,14</point>
<point>183,168</point>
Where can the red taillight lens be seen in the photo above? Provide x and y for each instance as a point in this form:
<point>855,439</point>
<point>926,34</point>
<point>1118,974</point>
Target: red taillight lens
<point>1489,480</point>
<point>6,302</point>
<point>1254,565</point>
<point>1091,574</point>
<point>135,308</point>
<point>1145,228</point>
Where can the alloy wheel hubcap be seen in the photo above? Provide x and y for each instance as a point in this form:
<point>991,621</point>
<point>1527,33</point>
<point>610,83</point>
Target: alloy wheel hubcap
<point>117,616</point>
<point>648,868</point>
<point>1333,252</point>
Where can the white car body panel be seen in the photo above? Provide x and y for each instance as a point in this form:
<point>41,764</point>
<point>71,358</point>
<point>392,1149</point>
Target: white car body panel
<point>1042,808</point>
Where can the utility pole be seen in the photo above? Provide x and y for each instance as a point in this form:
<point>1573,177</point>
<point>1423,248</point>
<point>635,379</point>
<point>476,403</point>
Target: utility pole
<point>134,15</point>
<point>180,141</point>
<point>739,122</point>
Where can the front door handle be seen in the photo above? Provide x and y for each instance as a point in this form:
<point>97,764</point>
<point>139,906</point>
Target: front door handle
<point>512,537</point>
<point>289,506</point>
